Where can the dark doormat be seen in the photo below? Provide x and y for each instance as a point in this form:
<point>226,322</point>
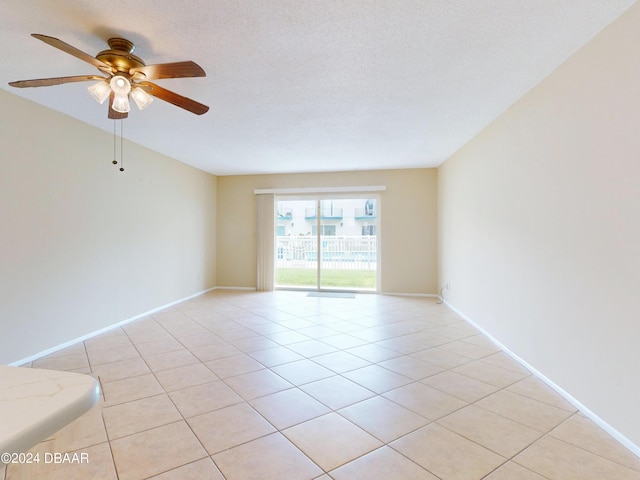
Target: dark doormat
<point>332,294</point>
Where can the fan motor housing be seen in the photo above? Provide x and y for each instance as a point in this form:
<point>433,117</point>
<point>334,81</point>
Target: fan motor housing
<point>120,56</point>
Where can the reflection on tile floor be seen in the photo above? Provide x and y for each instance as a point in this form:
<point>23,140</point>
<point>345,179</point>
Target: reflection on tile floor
<point>239,385</point>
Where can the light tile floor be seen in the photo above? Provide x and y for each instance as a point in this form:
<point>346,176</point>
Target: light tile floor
<point>239,386</point>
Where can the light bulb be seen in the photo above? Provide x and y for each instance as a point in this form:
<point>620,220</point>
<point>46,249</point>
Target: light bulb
<point>100,91</point>
<point>120,85</point>
<point>142,98</point>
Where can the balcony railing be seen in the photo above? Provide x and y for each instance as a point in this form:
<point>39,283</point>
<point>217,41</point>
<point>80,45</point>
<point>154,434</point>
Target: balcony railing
<point>337,252</point>
<point>365,213</point>
<point>332,213</point>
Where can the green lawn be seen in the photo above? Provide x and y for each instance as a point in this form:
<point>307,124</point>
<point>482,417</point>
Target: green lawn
<point>307,277</point>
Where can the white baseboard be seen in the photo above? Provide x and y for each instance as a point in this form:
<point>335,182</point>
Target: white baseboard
<point>635,449</point>
<point>103,330</point>
<point>251,289</point>
<point>400,294</point>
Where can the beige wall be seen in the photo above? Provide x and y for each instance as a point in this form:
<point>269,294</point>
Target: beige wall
<point>408,224</point>
<point>539,230</point>
<point>82,245</point>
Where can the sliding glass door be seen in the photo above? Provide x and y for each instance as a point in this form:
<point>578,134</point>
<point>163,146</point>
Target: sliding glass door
<point>327,243</point>
<point>296,262</point>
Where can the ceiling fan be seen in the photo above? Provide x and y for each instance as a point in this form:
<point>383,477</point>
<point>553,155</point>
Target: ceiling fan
<point>126,76</point>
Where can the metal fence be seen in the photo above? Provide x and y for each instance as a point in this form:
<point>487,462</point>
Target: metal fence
<point>336,252</point>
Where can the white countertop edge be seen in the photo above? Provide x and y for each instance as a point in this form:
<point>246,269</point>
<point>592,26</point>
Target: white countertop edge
<point>46,422</point>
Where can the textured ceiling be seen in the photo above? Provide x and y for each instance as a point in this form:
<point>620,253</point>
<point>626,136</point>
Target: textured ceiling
<point>307,85</point>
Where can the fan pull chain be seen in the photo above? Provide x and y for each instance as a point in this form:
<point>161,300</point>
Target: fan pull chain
<point>115,160</point>
<point>121,146</point>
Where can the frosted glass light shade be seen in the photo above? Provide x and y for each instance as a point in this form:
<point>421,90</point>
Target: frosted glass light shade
<point>142,98</point>
<point>120,85</point>
<point>121,103</point>
<point>100,91</point>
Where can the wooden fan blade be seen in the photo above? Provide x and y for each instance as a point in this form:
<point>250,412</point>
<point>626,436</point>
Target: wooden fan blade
<point>174,98</point>
<point>65,47</point>
<point>168,70</point>
<point>112,113</point>
<point>47,82</point>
